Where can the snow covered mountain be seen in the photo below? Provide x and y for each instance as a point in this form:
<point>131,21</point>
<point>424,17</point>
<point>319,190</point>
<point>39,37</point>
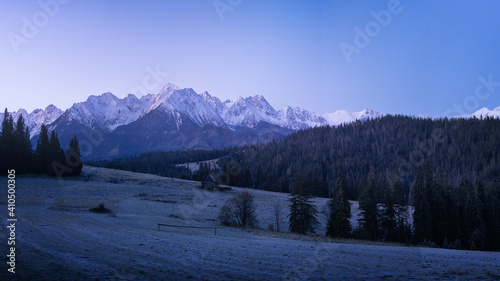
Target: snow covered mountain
<point>35,119</point>
<point>343,116</point>
<point>486,112</point>
<point>250,111</point>
<point>108,112</point>
<point>176,119</point>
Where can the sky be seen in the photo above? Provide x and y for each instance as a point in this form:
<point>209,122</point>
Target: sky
<point>431,58</point>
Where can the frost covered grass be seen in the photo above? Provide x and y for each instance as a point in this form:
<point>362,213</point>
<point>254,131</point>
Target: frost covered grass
<point>59,239</point>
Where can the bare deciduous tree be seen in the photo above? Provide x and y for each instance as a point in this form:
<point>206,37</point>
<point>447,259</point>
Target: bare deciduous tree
<point>278,212</point>
<point>239,211</point>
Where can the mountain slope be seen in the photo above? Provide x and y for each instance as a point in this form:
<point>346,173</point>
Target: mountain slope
<point>173,119</point>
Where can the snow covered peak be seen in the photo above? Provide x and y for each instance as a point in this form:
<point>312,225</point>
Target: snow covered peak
<point>368,114</point>
<point>486,112</point>
<point>107,112</point>
<point>260,103</point>
<point>189,103</point>
<point>298,118</point>
<point>35,119</point>
<point>247,112</point>
<point>214,102</point>
<point>343,116</point>
<point>340,117</point>
<point>169,87</point>
<point>161,97</point>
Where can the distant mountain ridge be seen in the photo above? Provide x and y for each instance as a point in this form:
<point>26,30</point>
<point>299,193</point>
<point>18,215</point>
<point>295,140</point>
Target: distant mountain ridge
<point>177,119</point>
<point>107,112</point>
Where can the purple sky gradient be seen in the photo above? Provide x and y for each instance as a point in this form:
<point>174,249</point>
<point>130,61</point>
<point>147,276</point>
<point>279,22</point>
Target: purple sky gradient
<point>425,59</point>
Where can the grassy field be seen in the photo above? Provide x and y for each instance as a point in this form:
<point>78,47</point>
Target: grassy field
<point>58,238</point>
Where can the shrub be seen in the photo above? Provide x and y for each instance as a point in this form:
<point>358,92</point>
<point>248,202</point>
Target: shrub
<point>101,209</point>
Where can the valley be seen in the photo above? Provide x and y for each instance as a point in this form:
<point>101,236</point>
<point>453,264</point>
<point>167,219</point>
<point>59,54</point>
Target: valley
<point>58,238</point>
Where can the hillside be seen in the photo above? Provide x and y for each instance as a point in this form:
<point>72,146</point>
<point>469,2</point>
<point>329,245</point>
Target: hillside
<point>55,229</point>
<point>396,146</point>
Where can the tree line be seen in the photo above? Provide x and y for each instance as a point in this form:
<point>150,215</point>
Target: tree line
<point>47,158</point>
<point>166,163</point>
<point>463,148</point>
<point>462,217</point>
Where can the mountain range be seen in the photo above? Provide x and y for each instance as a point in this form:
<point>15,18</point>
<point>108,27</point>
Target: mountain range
<point>178,119</point>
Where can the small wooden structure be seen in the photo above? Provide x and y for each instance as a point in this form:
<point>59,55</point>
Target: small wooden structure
<point>210,183</point>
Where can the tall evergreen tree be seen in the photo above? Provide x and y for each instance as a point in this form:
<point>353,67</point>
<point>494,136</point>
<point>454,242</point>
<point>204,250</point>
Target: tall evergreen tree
<point>474,216</point>
<point>368,206</point>
<point>403,227</point>
<point>22,148</point>
<point>303,214</point>
<point>7,143</point>
<point>491,217</point>
<point>422,221</point>
<point>42,152</point>
<point>340,211</point>
<point>57,157</point>
<point>56,154</point>
<point>74,158</point>
<point>440,200</point>
<point>388,219</point>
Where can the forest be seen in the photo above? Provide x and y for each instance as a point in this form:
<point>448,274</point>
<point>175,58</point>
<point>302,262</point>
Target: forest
<point>447,169</point>
<point>48,158</point>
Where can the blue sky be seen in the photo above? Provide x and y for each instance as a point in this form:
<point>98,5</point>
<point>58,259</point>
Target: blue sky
<point>420,57</point>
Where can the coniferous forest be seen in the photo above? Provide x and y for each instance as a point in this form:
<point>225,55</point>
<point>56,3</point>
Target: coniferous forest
<point>16,152</point>
<point>447,169</point>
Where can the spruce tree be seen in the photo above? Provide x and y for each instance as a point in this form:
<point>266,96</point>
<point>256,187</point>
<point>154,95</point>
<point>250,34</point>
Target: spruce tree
<point>422,223</point>
<point>439,196</point>
<point>368,206</point>
<point>491,217</point>
<point>42,152</point>
<point>403,227</point>
<point>7,143</point>
<point>388,216</point>
<point>22,148</point>
<point>339,225</point>
<point>74,158</point>
<point>474,216</point>
<point>303,214</point>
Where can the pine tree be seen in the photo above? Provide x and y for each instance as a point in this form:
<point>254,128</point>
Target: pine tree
<point>403,227</point>
<point>474,216</point>
<point>57,156</point>
<point>422,223</point>
<point>340,211</point>
<point>7,143</point>
<point>303,214</point>
<point>74,158</point>
<point>492,219</point>
<point>42,152</point>
<point>388,216</point>
<point>439,191</point>
<point>368,206</point>
<point>22,148</point>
